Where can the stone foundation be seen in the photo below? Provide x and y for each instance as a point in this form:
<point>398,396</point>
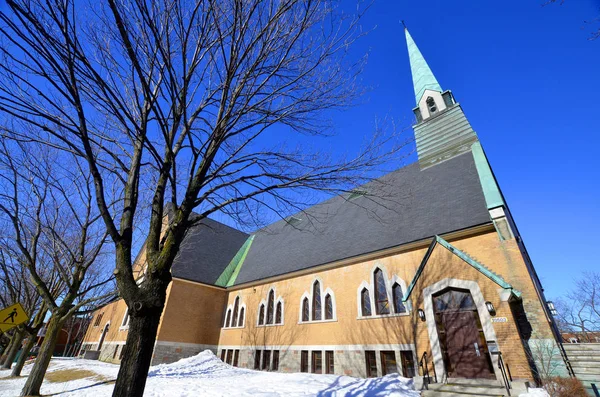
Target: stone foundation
<point>348,360</point>
<point>169,352</point>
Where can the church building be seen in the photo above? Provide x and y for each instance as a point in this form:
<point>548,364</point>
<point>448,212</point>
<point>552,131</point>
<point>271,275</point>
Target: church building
<point>421,272</point>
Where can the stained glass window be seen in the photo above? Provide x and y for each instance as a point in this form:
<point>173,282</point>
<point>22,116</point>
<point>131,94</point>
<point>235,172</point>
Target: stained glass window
<point>316,314</point>
<point>382,302</point>
<point>398,304</point>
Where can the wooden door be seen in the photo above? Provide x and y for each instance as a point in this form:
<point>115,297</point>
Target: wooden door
<point>104,332</point>
<point>466,356</point>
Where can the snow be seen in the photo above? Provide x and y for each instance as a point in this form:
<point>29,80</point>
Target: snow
<point>535,393</point>
<point>205,374</point>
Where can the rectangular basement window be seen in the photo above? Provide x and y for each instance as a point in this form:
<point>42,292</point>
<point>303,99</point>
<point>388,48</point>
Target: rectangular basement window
<point>371,363</point>
<point>408,364</point>
<point>329,366</point>
<point>275,364</point>
<point>388,363</point>
<point>266,360</point>
<point>304,361</point>
<point>257,359</point>
<point>236,357</point>
<point>317,362</point>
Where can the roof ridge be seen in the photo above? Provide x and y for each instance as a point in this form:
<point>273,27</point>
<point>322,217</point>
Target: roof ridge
<point>414,163</point>
<point>480,263</point>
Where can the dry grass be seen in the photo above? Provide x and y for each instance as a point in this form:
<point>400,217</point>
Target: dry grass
<point>565,387</point>
<point>66,375</point>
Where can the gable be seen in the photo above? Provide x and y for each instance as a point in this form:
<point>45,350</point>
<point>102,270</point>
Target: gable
<point>445,258</point>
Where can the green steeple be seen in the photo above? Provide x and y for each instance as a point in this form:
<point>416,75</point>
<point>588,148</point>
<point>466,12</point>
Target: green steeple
<point>422,76</point>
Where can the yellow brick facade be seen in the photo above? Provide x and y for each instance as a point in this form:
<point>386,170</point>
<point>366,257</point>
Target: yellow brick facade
<point>194,315</point>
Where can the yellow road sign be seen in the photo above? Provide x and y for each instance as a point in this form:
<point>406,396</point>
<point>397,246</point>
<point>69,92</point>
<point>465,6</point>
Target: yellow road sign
<point>12,316</point>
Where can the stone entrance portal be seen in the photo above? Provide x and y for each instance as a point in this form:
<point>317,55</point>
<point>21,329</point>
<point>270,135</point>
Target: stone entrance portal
<point>461,336</point>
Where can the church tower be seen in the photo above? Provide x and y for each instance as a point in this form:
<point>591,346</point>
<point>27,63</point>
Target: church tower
<point>442,130</point>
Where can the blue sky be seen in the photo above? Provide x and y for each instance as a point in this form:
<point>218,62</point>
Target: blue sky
<point>527,78</point>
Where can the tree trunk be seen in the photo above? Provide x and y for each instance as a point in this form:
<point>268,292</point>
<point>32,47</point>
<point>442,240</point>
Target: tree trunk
<point>36,376</point>
<point>137,356</point>
<point>23,357</point>
<point>8,347</point>
<point>14,349</point>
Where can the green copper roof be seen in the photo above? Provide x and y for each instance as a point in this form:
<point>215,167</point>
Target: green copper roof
<point>227,278</point>
<point>493,198</point>
<point>422,76</point>
<point>465,257</point>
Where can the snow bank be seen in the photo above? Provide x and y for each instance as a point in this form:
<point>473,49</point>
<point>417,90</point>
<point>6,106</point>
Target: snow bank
<point>206,375</point>
<point>535,393</point>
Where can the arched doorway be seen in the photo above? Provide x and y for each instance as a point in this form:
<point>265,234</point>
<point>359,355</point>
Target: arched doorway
<point>104,332</point>
<point>462,341</point>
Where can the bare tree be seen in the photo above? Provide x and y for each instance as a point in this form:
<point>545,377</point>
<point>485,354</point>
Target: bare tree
<point>16,288</point>
<point>57,236</point>
<point>547,358</point>
<point>579,312</point>
<point>594,21</point>
<point>213,106</point>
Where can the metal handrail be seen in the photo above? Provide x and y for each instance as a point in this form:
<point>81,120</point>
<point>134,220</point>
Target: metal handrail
<point>425,370</point>
<point>503,371</point>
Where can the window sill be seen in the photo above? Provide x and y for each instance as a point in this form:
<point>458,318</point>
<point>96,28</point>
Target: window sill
<point>382,316</point>
<point>242,327</point>
<point>268,325</point>
<point>317,321</point>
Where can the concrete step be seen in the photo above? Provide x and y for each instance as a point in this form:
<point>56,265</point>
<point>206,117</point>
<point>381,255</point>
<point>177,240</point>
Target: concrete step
<point>477,390</point>
<point>466,387</point>
<point>589,377</point>
<point>580,350</point>
<point>587,370</point>
<point>588,387</point>
<point>435,393</point>
<point>587,357</point>
<point>478,382</point>
<point>581,346</point>
<point>585,364</point>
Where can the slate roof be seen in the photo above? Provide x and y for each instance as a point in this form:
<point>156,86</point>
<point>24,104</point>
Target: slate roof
<point>206,250</point>
<point>406,205</point>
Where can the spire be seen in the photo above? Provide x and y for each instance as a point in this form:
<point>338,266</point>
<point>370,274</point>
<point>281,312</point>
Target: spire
<point>422,76</point>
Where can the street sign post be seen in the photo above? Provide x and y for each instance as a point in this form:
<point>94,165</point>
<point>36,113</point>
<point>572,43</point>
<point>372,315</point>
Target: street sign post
<point>12,316</point>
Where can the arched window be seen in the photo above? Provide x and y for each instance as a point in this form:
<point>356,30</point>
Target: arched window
<point>397,294</point>
<point>278,313</point>
<point>382,303</point>
<point>261,315</point>
<point>241,322</point>
<point>328,307</point>
<point>365,302</point>
<point>305,310</point>
<point>235,311</point>
<point>270,304</point>
<point>431,105</point>
<point>316,303</point>
<point>228,318</point>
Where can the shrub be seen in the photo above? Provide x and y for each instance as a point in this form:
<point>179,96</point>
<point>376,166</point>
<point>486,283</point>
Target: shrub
<point>564,387</point>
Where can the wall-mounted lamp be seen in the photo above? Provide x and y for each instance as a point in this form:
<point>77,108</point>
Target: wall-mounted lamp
<point>552,308</point>
<point>490,307</point>
<point>421,314</point>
